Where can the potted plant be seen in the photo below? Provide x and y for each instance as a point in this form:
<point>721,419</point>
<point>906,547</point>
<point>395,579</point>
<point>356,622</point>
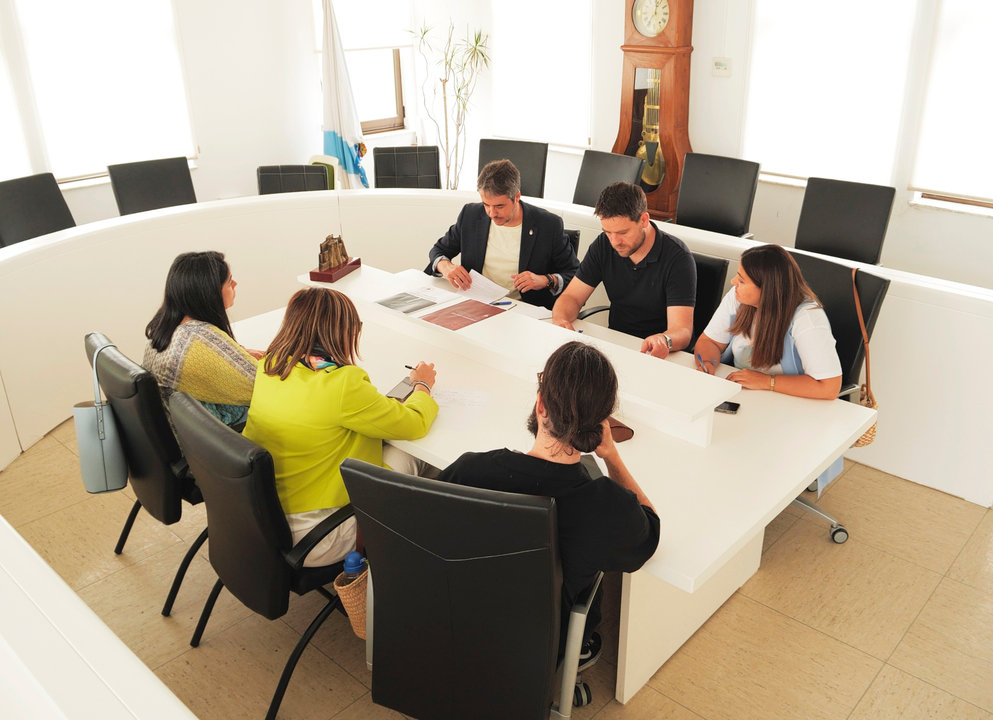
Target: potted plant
<point>459,64</point>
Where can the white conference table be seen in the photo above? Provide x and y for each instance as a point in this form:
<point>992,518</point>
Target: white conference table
<point>715,487</point>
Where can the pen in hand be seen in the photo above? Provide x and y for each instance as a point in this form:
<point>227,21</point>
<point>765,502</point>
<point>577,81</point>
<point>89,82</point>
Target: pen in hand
<point>702,365</point>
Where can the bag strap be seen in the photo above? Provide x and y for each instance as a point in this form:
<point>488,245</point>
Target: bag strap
<point>865,335</point>
<point>96,383</point>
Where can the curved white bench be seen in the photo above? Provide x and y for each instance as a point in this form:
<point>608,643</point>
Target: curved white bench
<point>930,343</point>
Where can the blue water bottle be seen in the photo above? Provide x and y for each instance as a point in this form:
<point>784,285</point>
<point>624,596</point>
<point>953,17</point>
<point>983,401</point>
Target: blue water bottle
<point>354,565</point>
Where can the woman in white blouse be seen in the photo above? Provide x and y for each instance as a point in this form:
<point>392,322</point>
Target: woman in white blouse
<point>772,328</point>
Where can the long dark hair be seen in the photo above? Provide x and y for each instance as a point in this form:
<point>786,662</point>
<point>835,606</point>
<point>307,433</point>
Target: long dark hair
<point>193,289</point>
<point>317,321</point>
<point>579,390</point>
<point>776,274</point>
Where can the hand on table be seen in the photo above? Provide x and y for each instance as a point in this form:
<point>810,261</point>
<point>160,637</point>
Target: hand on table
<point>528,281</point>
<point>656,346</point>
<point>423,372</point>
<point>563,324</point>
<point>457,275</point>
<point>750,379</point>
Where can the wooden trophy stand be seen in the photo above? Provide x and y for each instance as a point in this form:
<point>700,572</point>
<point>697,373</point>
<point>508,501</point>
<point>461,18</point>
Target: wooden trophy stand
<point>333,261</point>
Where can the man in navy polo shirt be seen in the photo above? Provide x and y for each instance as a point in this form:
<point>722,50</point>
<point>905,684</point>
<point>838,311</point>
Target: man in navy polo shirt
<point>649,276</point>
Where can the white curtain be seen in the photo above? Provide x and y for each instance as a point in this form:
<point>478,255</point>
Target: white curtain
<point>342,128</point>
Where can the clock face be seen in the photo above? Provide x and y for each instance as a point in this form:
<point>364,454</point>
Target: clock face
<point>650,16</point>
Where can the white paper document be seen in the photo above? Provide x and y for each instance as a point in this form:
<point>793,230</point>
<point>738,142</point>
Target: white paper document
<point>482,289</point>
<point>414,299</point>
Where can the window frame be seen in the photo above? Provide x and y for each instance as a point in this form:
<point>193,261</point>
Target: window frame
<point>396,122</point>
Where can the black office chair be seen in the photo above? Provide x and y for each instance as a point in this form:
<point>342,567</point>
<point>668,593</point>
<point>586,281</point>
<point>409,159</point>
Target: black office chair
<point>466,598</point>
<point>716,193</point>
<point>157,470</point>
<point>844,219</point>
<point>528,157</point>
<point>573,237</point>
<point>711,274</point>
<point>32,206</point>
<point>251,547</point>
<point>832,283</point>
<point>151,184</point>
<point>600,169</point>
<point>291,178</point>
<point>415,166</point>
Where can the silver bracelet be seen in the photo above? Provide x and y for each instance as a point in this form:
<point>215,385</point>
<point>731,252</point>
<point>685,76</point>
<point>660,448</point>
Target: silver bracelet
<point>421,382</point>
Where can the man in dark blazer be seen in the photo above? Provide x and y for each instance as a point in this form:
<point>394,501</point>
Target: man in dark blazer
<point>518,246</point>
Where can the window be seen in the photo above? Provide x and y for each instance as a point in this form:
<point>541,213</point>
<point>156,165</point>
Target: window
<point>95,83</point>
<point>900,100</point>
<point>374,47</point>
<point>827,100</point>
<point>955,146</point>
<point>556,108</point>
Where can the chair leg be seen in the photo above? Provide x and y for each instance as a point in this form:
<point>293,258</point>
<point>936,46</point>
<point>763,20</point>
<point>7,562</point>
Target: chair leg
<point>839,533</point>
<point>181,572</point>
<point>119,548</point>
<point>805,504</point>
<point>205,615</point>
<point>291,663</point>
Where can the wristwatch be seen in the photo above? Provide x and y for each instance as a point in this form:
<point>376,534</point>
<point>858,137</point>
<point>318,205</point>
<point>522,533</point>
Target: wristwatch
<point>668,341</point>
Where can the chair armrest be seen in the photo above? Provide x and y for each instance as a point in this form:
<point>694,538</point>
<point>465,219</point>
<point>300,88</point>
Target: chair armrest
<point>748,236</point>
<point>573,644</point>
<point>847,391</point>
<point>299,552</point>
<point>583,314</point>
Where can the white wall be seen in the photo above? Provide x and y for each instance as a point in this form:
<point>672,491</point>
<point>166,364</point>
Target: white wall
<point>254,90</point>
<point>255,99</point>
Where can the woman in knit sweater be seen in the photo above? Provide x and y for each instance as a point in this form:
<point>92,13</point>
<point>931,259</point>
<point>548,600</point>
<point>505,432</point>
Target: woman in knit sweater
<point>190,344</point>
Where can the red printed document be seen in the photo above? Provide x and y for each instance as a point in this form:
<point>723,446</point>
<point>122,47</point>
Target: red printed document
<point>455,317</point>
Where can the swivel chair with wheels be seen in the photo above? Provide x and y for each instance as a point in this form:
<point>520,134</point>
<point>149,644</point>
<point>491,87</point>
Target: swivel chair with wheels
<point>716,193</point>
<point>844,219</point>
<point>464,611</point>
<point>157,470</point>
<point>832,283</point>
<point>251,547</point>
<point>529,158</point>
<point>151,184</point>
<point>600,169</point>
<point>32,206</point>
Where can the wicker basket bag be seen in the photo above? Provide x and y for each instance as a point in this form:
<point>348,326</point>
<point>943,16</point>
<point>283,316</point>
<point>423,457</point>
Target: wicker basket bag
<point>353,599</point>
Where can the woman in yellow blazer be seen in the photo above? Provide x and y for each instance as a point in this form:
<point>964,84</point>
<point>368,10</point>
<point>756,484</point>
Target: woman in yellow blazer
<point>312,407</point>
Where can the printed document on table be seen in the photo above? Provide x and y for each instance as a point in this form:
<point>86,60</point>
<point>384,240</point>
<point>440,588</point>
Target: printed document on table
<point>483,289</point>
<point>415,299</point>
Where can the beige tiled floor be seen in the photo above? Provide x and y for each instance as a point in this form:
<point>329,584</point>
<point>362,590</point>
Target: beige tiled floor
<point>896,623</point>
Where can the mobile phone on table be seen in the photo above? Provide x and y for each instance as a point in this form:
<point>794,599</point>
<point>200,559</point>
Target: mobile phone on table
<point>727,407</point>
<point>401,390</point>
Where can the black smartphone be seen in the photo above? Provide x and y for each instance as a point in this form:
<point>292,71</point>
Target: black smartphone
<point>728,407</point>
<point>402,390</point>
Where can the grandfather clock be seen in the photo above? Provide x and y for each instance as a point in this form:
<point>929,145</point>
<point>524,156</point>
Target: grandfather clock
<point>655,95</point>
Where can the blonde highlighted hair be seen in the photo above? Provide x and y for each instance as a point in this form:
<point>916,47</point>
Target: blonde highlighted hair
<point>318,321</point>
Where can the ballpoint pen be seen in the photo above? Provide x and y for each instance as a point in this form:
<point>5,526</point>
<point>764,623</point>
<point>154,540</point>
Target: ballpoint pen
<point>501,302</point>
<point>702,366</point>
